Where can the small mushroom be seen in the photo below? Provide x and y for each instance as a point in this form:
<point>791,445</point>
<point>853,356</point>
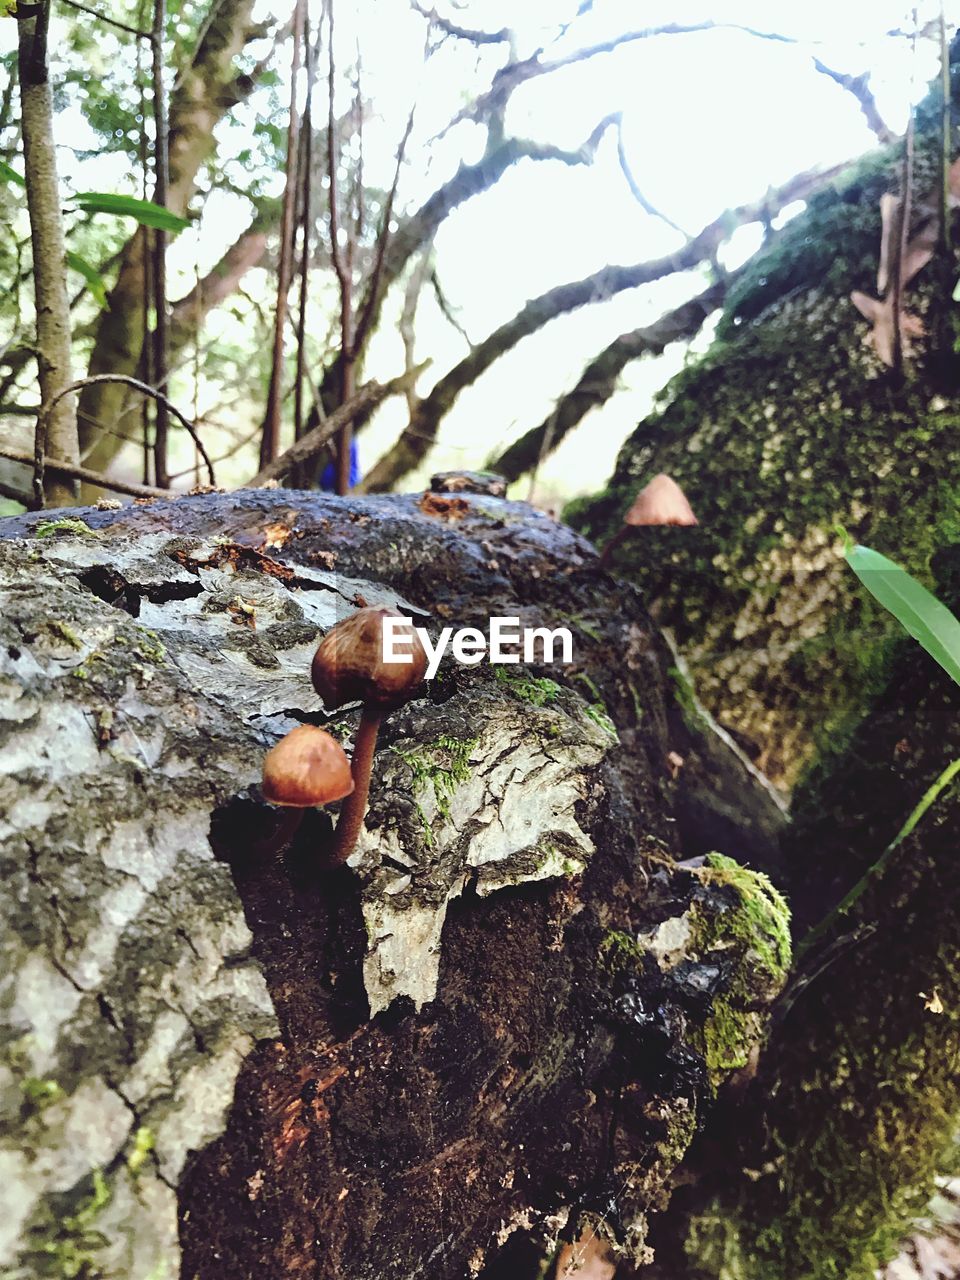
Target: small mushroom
<point>661,502</point>
<point>306,769</point>
<point>350,666</point>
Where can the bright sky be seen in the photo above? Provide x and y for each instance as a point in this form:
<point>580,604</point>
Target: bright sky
<point>710,121</point>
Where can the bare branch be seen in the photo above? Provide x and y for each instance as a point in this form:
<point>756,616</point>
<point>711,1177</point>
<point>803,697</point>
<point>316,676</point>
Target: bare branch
<point>416,440</point>
<point>599,379</point>
<point>447,310</point>
<point>469,180</point>
<point>110,22</point>
<point>335,254</point>
<point>859,86</point>
<point>372,299</point>
<point>510,77</point>
<point>75,472</point>
<point>39,461</point>
<point>638,195</point>
<point>461,33</point>
<point>270,441</point>
<point>367,398</point>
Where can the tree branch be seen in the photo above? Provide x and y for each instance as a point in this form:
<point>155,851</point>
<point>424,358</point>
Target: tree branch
<point>76,472</point>
<point>46,409</point>
<point>859,86</point>
<point>469,180</point>
<point>511,76</point>
<point>599,379</point>
<point>461,33</point>
<point>371,302</point>
<point>366,399</point>
<point>420,434</point>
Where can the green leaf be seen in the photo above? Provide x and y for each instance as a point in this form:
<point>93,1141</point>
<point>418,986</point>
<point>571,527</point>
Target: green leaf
<point>94,279</point>
<point>8,174</point>
<point>145,211</point>
<point>956,292</point>
<point>920,613</point>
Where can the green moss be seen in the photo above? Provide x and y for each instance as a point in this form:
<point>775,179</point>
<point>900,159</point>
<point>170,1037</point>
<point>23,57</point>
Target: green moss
<point>763,920</point>
<point>144,1141</point>
<point>596,709</point>
<point>687,699</point>
<point>729,1035</point>
<point>618,951</point>
<point>47,528</point>
<point>786,427</point>
<point>597,712</point>
<point>538,691</point>
<point>40,1093</point>
<point>439,766</point>
<point>67,1249</point>
<point>67,632</point>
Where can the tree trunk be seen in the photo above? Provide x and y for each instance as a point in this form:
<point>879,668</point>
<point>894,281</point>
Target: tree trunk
<point>853,1113</point>
<point>502,1022</point>
<point>206,91</point>
<point>49,254</point>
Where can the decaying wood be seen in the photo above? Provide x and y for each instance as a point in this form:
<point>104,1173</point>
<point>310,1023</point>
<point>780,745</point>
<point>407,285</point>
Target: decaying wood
<point>491,1023</point>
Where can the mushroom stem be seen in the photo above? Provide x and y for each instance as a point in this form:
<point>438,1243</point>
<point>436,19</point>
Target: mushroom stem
<point>611,545</point>
<point>288,822</point>
<point>355,805</point>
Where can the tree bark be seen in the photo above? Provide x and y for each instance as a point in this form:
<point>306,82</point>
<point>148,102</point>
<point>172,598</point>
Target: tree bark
<point>506,1017</point>
<point>49,253</point>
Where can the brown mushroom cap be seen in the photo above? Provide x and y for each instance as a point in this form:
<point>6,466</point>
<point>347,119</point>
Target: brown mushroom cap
<point>306,768</point>
<point>349,665</point>
<point>662,501</point>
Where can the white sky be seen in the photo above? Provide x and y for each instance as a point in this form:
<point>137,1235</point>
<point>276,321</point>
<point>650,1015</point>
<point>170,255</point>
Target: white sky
<point>710,121</point>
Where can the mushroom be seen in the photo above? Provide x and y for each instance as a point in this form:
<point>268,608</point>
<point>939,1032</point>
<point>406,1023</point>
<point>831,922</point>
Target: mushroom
<point>306,769</point>
<point>661,502</point>
<point>350,666</point>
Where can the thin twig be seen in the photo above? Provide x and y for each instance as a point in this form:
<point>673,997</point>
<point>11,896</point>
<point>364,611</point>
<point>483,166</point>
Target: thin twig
<point>111,22</point>
<point>367,398</point>
<point>160,166</point>
<point>637,194</point>
<point>40,458</point>
<point>383,236</point>
<point>859,86</point>
<point>271,425</point>
<point>76,472</point>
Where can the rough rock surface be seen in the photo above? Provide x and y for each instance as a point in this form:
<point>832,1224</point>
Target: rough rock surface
<point>508,1014</point>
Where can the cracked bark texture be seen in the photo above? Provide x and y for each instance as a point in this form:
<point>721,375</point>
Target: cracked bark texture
<point>506,1017</point>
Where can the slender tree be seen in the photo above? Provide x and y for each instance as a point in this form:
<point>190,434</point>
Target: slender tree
<point>49,271</point>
